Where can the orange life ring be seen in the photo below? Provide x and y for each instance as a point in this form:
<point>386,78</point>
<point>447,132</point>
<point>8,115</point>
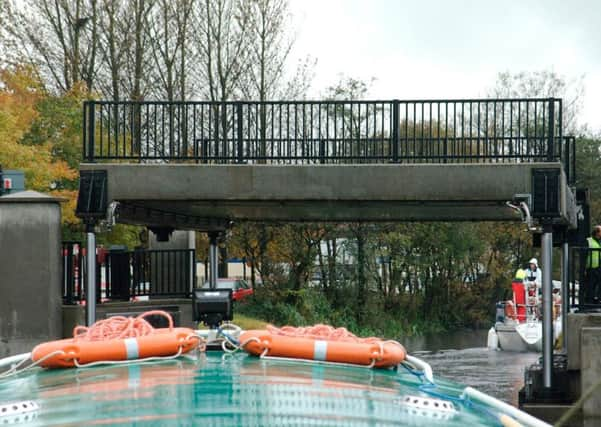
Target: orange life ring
<point>380,354</point>
<point>162,342</point>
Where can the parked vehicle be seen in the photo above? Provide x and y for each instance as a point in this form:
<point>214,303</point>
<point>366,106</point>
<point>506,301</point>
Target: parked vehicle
<point>240,288</point>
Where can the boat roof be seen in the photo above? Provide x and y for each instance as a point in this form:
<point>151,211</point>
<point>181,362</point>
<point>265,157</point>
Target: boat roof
<point>214,388</point>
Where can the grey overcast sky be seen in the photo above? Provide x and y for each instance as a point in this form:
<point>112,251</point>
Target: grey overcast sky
<point>423,49</point>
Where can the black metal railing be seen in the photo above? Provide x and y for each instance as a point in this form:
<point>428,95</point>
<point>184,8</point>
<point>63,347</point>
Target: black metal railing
<point>151,273</point>
<point>127,275</point>
<point>585,278</point>
<point>568,158</point>
<point>435,131</point>
<point>73,271</point>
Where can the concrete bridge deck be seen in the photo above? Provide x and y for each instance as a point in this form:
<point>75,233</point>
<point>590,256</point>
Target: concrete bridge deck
<point>199,165</point>
<point>162,195</point>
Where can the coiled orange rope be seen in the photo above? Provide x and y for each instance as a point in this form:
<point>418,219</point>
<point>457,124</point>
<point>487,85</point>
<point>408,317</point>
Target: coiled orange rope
<point>119,327</point>
<point>321,332</point>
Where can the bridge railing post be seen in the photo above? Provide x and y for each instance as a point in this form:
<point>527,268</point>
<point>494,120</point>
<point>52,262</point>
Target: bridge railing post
<point>239,132</point>
<point>551,136</point>
<point>90,129</point>
<point>395,130</point>
<point>322,141</point>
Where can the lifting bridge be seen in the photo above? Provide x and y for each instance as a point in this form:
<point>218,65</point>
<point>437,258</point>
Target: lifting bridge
<point>201,165</point>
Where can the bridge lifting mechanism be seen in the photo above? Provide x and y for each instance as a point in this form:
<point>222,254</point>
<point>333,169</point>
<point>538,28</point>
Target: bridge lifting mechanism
<point>522,207</point>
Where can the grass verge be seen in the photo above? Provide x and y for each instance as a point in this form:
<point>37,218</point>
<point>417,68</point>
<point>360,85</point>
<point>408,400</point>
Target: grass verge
<point>247,322</point>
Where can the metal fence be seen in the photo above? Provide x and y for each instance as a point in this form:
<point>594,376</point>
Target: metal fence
<point>568,158</point>
<point>585,279</point>
<point>73,270</point>
<point>305,132</point>
<point>128,275</point>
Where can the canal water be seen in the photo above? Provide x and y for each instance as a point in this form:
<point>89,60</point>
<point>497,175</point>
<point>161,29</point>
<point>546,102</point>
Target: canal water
<point>462,357</point>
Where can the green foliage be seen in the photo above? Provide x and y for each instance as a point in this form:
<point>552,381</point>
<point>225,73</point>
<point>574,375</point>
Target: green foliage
<point>121,234</point>
<point>59,121</point>
<point>588,172</point>
<point>389,280</point>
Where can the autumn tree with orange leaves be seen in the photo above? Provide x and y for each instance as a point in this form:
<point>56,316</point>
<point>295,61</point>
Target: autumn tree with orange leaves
<point>39,134</point>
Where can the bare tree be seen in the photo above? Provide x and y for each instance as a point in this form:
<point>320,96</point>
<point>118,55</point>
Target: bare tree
<point>169,29</point>
<point>222,39</point>
<point>270,43</point>
<point>543,84</point>
<point>222,42</point>
<point>125,48</point>
<point>59,36</point>
<point>112,41</point>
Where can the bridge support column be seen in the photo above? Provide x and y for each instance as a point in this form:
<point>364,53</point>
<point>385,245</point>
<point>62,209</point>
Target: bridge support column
<point>213,259</point>
<point>547,265</point>
<point>91,279</point>
<point>565,300</point>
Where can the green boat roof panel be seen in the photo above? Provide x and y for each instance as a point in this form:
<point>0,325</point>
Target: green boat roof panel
<point>217,389</point>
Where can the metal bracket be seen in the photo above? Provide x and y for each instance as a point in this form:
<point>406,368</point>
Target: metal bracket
<point>525,198</point>
<point>521,203</point>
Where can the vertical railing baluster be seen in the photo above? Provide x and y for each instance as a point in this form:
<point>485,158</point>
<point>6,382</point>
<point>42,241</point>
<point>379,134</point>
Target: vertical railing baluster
<point>551,137</point>
<point>239,132</point>
<point>91,130</point>
<point>395,131</point>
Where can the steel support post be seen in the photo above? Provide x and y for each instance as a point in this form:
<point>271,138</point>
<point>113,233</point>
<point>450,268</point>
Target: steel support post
<point>547,266</point>
<point>192,255</point>
<point>91,279</point>
<point>565,286</point>
<point>213,259</point>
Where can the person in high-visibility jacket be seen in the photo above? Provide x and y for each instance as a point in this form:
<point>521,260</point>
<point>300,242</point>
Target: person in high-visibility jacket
<point>520,275</point>
<point>592,285</point>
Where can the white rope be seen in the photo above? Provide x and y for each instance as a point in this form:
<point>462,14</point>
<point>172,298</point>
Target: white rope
<point>127,362</point>
<point>227,342</point>
<point>234,347</point>
<point>15,369</point>
<point>200,345</point>
<point>231,326</point>
<point>237,348</point>
<point>318,362</point>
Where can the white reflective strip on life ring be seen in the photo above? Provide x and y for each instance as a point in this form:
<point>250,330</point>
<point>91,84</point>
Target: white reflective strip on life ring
<point>131,348</point>
<point>320,350</point>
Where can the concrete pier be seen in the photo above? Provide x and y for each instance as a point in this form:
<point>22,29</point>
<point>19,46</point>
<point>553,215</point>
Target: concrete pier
<point>574,373</point>
<point>30,271</point>
<point>590,369</point>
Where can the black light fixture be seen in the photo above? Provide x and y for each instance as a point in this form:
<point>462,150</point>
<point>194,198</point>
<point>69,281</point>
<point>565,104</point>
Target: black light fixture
<point>162,233</point>
<point>212,306</point>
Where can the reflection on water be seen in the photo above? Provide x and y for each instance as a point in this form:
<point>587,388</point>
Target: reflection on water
<point>463,357</point>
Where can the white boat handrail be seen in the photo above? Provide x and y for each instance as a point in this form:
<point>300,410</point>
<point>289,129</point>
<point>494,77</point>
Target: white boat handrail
<point>423,366</point>
<point>525,419</point>
<point>12,360</point>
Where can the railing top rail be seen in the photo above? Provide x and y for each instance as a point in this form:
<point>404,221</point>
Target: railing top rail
<point>325,101</point>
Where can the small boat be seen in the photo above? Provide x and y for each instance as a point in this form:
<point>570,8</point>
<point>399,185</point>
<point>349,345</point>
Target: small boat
<point>241,390</point>
<point>319,384</point>
<point>518,326</point>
